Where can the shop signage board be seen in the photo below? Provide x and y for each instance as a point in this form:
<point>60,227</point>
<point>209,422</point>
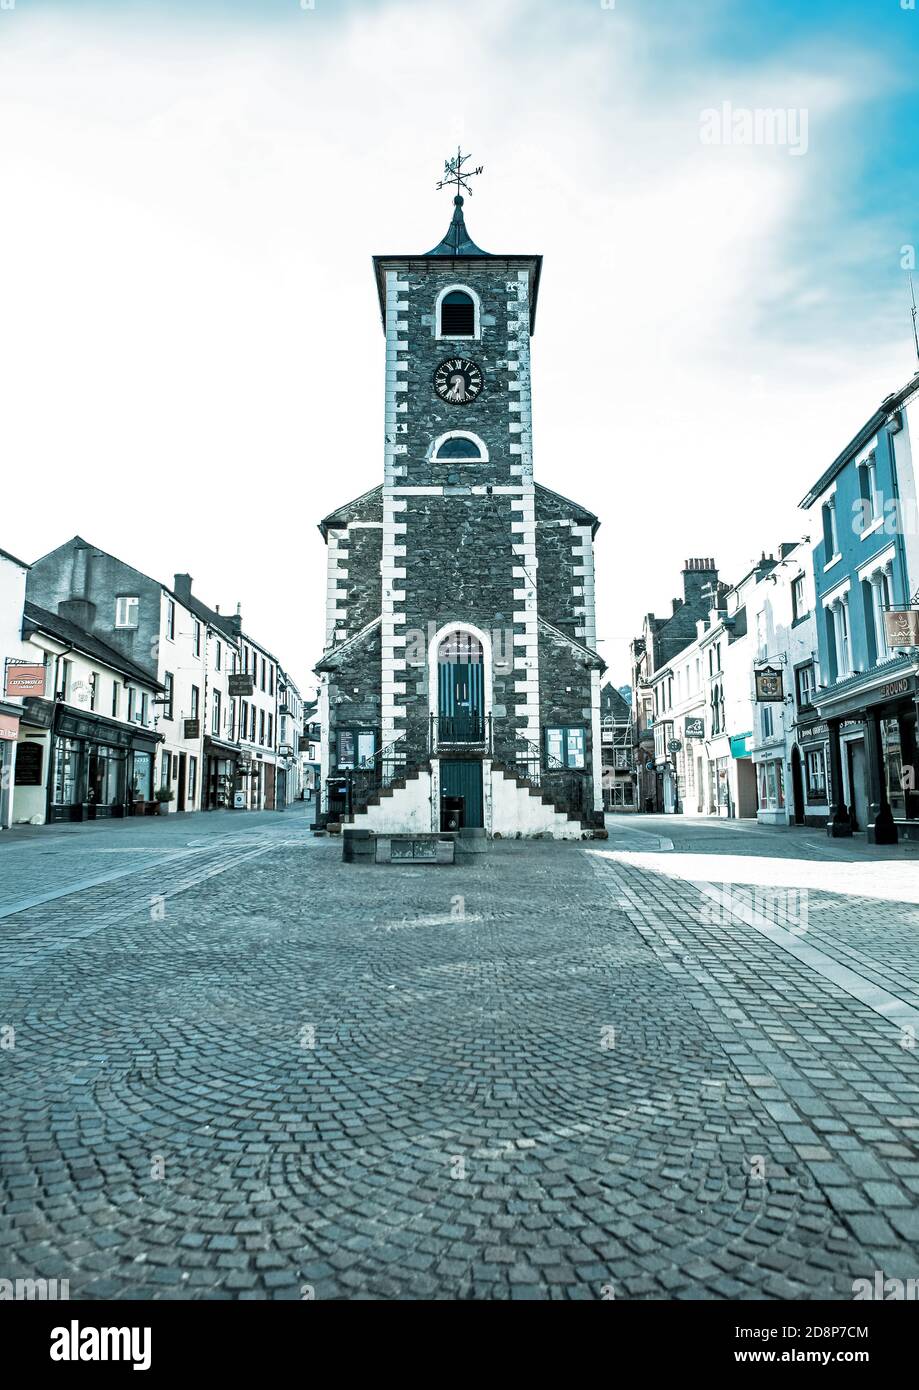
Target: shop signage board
<point>23,678</point>
<point>9,727</point>
<point>694,726</point>
<point>192,728</point>
<point>240,686</point>
<point>902,628</point>
<point>769,685</point>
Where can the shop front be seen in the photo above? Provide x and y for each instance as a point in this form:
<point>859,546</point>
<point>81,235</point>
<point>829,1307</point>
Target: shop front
<point>810,775</point>
<point>872,753</point>
<point>97,767</point>
<point>770,786</point>
<point>9,733</point>
<point>220,764</point>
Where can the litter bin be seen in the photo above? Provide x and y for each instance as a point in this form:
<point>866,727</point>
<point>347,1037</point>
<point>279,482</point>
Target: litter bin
<point>452,812</point>
<point>338,797</point>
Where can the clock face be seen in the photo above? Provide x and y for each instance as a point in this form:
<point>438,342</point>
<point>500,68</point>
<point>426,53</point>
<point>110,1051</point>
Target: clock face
<point>458,381</point>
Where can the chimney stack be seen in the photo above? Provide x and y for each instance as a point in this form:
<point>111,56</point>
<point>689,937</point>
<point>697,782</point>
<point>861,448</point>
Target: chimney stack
<point>698,574</point>
<point>182,587</point>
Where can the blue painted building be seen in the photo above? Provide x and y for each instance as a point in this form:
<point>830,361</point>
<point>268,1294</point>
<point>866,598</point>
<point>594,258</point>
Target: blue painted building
<point>864,529</point>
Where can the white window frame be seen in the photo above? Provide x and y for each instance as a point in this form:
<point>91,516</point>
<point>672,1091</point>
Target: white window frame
<point>126,606</point>
<point>459,434</point>
<point>477,307</point>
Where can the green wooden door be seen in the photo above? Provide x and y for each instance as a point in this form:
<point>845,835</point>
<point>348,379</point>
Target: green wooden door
<point>463,777</point>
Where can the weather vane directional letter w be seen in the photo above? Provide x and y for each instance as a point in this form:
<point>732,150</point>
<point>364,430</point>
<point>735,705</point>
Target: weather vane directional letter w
<point>455,173</point>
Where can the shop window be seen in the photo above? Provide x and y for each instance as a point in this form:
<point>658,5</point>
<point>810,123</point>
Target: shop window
<point>565,746</point>
<point>898,780</point>
<point>67,773</point>
<point>771,786</point>
<point>29,759</point>
<point>142,777</point>
<point>815,774</point>
<point>127,609</point>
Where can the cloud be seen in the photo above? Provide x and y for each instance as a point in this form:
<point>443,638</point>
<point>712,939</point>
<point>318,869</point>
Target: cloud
<point>191,351</point>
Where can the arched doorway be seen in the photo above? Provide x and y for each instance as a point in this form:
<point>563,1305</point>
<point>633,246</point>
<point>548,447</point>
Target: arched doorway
<point>460,689</point>
<point>797,786</point>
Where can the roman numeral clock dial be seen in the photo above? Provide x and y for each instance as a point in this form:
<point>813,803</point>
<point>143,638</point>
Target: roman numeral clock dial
<point>458,381</point>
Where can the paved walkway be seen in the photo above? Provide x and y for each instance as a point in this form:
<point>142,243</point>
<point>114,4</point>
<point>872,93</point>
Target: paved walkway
<point>244,1069</point>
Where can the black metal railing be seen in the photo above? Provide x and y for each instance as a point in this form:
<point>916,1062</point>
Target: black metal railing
<point>351,789</point>
<point>467,728</point>
<point>567,787</point>
<point>373,774</point>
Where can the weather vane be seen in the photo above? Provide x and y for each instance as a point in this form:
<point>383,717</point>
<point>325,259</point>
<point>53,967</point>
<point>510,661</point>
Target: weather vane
<point>455,173</point>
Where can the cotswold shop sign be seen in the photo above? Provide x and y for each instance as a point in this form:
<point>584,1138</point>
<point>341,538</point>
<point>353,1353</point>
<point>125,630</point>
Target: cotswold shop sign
<point>23,678</point>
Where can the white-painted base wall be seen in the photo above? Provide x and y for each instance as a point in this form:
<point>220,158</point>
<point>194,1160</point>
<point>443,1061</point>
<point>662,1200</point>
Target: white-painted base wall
<point>511,811</point>
<point>515,812</point>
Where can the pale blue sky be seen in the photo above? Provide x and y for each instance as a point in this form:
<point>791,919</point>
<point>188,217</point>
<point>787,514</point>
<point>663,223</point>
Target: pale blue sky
<point>193,193</point>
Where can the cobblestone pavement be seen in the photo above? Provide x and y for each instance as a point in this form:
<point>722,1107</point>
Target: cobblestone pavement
<point>242,1069</point>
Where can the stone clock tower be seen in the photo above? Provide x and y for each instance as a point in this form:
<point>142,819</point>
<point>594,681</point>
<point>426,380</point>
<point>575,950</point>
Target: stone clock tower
<point>460,680</point>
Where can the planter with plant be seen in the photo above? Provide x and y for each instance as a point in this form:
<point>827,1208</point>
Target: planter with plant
<point>163,796</point>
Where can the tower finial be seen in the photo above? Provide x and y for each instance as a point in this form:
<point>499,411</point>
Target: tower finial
<point>455,173</point>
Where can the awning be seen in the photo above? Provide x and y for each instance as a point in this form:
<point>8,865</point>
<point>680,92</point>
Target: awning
<point>217,748</point>
<point>740,745</point>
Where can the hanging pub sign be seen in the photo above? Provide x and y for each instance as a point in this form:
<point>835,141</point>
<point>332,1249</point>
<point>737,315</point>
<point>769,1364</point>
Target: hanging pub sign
<point>192,728</point>
<point>902,628</point>
<point>694,726</point>
<point>769,685</point>
<point>240,685</point>
<point>23,678</point>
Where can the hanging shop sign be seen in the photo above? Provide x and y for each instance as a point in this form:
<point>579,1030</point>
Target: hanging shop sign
<point>769,685</point>
<point>23,678</point>
<point>902,628</point>
<point>240,685</point>
<point>693,727</point>
<point>192,728</point>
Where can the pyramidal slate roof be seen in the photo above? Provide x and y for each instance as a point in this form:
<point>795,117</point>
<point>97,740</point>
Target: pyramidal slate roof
<point>457,242</point>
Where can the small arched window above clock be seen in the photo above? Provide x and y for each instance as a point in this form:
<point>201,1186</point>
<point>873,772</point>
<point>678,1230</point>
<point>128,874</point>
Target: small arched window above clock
<point>459,447</point>
<point>457,313</point>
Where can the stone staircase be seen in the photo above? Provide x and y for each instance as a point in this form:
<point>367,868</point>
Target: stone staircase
<point>559,821</point>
